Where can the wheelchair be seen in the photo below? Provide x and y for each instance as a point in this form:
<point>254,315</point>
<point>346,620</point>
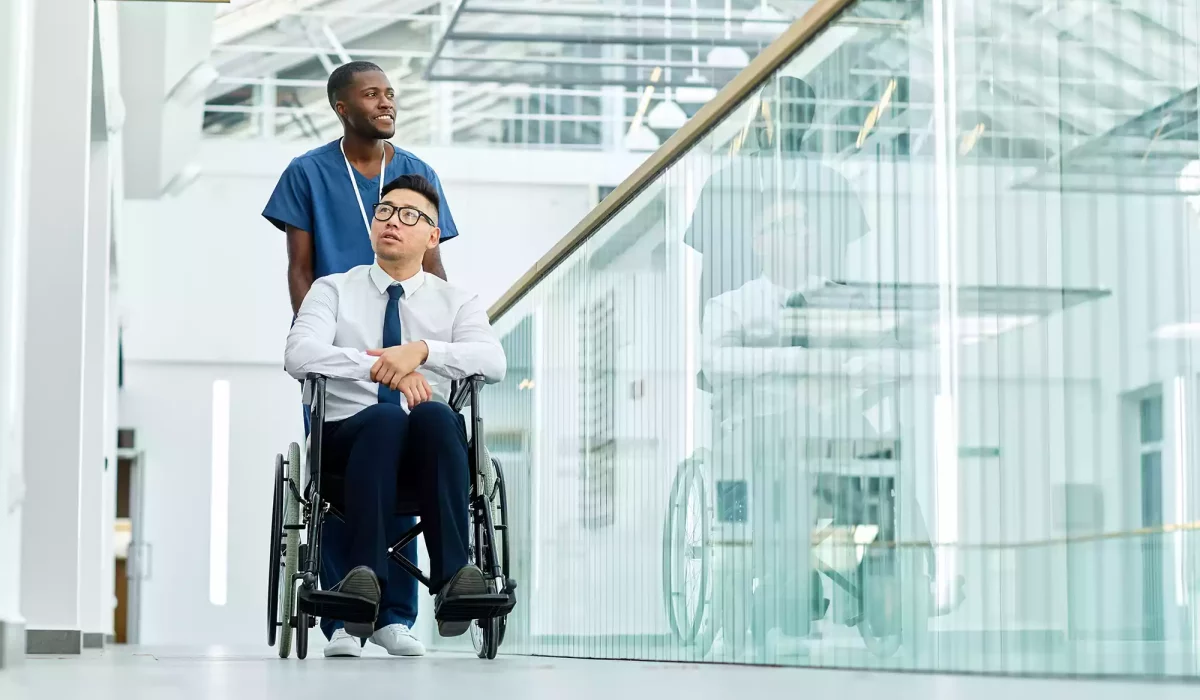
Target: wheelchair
<point>294,599</point>
<point>706,517</point>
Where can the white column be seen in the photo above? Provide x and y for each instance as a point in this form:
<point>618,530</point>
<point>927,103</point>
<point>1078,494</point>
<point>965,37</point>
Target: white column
<point>107,33</point>
<point>946,404</point>
<point>268,100</point>
<point>16,19</point>
<point>111,425</point>
<point>58,222</point>
<point>95,604</point>
<point>1178,473</point>
<point>612,104</point>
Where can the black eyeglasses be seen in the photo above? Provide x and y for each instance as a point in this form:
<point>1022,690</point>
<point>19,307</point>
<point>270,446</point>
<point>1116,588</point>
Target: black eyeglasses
<point>409,216</point>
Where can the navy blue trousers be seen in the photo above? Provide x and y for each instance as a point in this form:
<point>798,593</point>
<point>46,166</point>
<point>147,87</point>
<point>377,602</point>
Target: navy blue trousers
<point>398,604</point>
<point>379,453</point>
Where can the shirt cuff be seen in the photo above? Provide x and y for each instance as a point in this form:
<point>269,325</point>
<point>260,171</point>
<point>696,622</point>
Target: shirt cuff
<point>435,361</point>
<point>363,365</point>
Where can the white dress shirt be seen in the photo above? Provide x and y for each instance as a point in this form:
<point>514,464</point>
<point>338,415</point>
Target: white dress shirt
<point>743,335</point>
<point>342,317</point>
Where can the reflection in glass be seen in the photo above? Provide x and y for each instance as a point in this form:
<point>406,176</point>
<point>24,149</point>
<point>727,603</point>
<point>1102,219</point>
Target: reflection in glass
<point>895,368</point>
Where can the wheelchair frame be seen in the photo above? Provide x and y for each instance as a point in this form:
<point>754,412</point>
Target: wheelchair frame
<point>700,626</point>
<point>312,508</point>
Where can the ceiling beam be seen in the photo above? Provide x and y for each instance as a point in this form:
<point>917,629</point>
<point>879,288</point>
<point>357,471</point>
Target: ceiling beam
<point>312,50</point>
<point>594,39</point>
<point>333,41</point>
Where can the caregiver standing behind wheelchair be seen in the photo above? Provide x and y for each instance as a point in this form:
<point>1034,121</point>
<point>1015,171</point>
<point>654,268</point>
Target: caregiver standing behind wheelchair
<point>323,203</point>
<point>391,339</point>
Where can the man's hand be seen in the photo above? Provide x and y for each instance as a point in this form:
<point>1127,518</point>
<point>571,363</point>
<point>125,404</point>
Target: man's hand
<point>397,362</point>
<point>415,388</point>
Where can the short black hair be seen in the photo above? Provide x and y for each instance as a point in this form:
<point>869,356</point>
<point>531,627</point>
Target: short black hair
<point>416,183</point>
<point>343,75</point>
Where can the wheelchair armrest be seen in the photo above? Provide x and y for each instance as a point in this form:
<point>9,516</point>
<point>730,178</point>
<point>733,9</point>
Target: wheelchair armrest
<point>313,384</point>
<point>314,400</point>
<point>466,391</point>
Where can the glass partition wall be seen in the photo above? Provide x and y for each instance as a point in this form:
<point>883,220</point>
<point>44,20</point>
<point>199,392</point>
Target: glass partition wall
<point>895,369</point>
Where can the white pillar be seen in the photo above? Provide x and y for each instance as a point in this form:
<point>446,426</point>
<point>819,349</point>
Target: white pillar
<point>111,424</point>
<point>95,600</point>
<point>54,335</point>
<point>612,104</point>
<point>107,33</point>
<point>16,46</point>
<point>1178,473</point>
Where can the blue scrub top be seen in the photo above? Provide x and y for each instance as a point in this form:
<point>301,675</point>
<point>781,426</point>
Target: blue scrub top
<point>314,195</point>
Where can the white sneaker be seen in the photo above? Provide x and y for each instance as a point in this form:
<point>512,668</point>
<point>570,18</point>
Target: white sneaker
<point>342,644</point>
<point>398,639</point>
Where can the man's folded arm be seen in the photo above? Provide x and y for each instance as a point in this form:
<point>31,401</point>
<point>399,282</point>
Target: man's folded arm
<point>724,357</point>
<point>310,345</point>
<point>473,348</point>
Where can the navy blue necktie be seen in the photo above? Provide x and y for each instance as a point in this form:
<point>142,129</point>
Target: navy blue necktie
<point>798,301</point>
<point>391,337</point>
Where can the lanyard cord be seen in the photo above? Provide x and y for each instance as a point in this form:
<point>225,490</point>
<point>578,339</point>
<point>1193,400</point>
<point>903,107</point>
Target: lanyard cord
<point>362,209</point>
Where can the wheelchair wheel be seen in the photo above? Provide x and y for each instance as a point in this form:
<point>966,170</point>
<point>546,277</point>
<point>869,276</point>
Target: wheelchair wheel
<point>501,502</point>
<point>275,561</point>
<point>880,626</point>
<point>491,638</point>
<point>291,553</point>
<point>687,556</point>
<point>883,646</point>
<point>486,635</point>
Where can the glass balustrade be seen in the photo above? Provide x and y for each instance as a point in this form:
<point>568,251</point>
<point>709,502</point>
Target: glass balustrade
<point>894,368</point>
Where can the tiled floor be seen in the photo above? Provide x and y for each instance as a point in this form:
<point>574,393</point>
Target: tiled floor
<point>225,674</point>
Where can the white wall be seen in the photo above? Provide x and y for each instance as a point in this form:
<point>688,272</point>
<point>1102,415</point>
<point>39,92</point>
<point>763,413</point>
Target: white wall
<point>170,405</point>
<point>204,298</point>
<point>506,228</point>
<point>15,77</point>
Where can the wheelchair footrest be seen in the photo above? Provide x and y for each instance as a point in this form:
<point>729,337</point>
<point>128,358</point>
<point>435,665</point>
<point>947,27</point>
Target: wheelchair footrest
<point>336,606</point>
<point>820,610</point>
<point>477,607</point>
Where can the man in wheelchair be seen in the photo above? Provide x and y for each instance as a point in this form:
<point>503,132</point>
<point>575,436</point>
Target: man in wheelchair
<point>391,339</point>
<point>786,383</point>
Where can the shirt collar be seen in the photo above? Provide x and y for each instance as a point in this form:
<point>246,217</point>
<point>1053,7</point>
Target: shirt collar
<point>383,280</point>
